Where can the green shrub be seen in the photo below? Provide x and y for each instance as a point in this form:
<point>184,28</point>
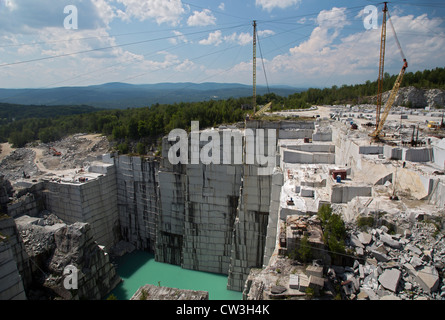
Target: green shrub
<point>364,222</point>
<point>334,230</point>
<point>305,251</point>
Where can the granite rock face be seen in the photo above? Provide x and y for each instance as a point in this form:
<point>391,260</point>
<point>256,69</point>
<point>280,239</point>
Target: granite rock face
<point>52,247</point>
<point>11,284</point>
<point>418,98</point>
<point>138,200</point>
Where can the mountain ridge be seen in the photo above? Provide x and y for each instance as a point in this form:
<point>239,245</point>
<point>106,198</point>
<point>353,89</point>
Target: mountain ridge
<point>119,95</point>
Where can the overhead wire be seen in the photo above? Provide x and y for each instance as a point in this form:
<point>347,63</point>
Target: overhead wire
<point>111,47</point>
<point>275,22</point>
<point>139,75</point>
<point>262,61</point>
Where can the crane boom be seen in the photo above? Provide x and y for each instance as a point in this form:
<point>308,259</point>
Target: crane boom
<point>381,66</point>
<point>389,103</point>
<point>381,118</point>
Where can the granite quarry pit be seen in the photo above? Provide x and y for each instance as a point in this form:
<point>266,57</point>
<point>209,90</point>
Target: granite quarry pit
<point>87,205</point>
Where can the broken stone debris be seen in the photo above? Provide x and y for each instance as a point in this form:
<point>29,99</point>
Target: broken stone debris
<point>394,266</point>
<point>389,279</point>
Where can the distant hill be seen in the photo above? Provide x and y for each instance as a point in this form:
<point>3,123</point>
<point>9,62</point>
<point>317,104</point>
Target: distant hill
<point>118,95</point>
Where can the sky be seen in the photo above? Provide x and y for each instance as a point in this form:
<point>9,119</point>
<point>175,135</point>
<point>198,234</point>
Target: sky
<point>301,43</point>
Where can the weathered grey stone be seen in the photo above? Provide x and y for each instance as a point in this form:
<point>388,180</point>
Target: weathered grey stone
<point>390,278</point>
<point>361,271</point>
<point>314,271</point>
<point>294,282</point>
<point>370,282</point>
<point>407,233</point>
<point>364,238</point>
<point>277,289</point>
<point>413,249</point>
<point>355,242</point>
<point>416,262</point>
<point>388,240</point>
<point>356,264</point>
<point>381,257</point>
<point>390,297</point>
<point>428,279</point>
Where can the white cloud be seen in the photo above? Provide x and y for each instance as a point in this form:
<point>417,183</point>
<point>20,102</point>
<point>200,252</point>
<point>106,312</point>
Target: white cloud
<point>27,16</point>
<point>334,18</point>
<point>185,65</point>
<point>214,38</point>
<point>162,11</point>
<point>203,18</point>
<point>327,58</point>
<point>179,37</point>
<point>242,39</point>
<point>104,10</point>
<point>272,4</point>
<point>222,6</point>
<point>9,4</point>
<point>265,33</point>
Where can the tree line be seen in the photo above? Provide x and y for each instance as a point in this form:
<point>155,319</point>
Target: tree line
<point>360,93</point>
<point>136,129</point>
<point>143,125</point>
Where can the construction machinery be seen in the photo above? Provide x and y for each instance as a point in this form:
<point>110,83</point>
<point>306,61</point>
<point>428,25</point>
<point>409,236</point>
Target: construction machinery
<point>381,118</point>
<point>376,133</point>
<point>55,152</point>
<point>263,109</point>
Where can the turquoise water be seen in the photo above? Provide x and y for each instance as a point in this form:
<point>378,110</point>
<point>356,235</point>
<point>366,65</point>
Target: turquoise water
<point>139,268</point>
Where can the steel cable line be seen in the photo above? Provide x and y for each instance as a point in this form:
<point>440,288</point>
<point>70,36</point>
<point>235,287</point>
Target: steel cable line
<point>112,47</point>
<point>100,36</point>
<point>303,16</point>
<point>117,64</point>
<point>97,70</point>
<point>262,61</point>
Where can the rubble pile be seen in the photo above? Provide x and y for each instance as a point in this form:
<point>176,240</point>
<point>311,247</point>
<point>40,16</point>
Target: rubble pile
<point>391,265</point>
<point>75,151</point>
<point>19,163</point>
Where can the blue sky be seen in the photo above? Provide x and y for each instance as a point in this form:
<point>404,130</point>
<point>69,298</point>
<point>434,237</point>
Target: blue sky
<point>302,43</point>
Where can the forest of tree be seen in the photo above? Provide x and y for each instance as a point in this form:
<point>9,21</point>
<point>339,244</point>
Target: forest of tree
<point>125,126</point>
<point>360,93</point>
<point>136,129</point>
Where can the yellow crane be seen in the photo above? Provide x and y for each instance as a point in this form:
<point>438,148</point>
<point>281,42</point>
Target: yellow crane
<point>376,133</point>
<point>381,118</point>
<point>263,109</point>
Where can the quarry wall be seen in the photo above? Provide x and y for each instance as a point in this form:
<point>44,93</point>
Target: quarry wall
<point>11,284</point>
<point>220,218</point>
<point>94,202</point>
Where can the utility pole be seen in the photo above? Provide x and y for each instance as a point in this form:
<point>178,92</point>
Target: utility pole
<point>254,68</point>
<point>381,66</point>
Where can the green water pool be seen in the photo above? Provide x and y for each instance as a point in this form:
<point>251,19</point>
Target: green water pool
<point>139,268</point>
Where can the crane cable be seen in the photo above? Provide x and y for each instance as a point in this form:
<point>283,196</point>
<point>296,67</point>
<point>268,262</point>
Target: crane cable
<point>395,36</point>
<point>262,61</point>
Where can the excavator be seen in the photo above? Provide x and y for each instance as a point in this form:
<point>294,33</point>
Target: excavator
<point>381,118</point>
<point>55,152</point>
